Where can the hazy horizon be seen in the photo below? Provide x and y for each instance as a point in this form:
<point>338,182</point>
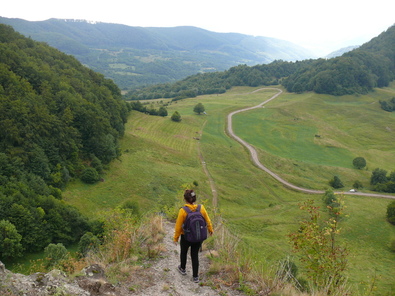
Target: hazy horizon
<point>322,28</point>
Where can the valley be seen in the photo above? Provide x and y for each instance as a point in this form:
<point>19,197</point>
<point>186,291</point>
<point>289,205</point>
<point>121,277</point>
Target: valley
<point>77,158</point>
<point>160,155</point>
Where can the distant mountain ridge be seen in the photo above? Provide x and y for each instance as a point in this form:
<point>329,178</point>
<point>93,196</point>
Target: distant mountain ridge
<point>357,71</point>
<point>134,56</point>
<point>341,51</point>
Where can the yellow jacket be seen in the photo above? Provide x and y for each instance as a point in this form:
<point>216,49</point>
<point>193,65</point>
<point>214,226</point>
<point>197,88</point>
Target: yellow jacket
<point>182,215</point>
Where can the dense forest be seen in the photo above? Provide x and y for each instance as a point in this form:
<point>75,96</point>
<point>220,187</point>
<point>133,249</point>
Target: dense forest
<point>358,71</point>
<point>58,119</point>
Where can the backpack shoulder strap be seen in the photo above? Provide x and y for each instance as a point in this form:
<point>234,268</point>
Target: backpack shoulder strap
<point>188,210</point>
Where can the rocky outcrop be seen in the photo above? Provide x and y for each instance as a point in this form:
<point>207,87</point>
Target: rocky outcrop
<point>91,282</point>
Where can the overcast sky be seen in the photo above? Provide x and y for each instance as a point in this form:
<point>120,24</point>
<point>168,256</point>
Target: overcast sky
<point>322,26</point>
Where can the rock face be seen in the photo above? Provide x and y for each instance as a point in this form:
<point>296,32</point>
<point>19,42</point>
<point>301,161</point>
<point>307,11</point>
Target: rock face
<point>91,282</point>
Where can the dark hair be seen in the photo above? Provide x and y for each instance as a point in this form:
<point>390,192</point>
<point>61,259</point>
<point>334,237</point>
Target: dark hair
<point>190,196</point>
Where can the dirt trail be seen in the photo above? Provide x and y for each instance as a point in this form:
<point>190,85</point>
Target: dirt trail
<point>255,159</point>
<point>166,278</point>
<point>207,173</point>
<point>168,281</point>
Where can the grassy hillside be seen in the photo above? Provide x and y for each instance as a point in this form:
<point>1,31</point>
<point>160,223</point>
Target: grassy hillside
<point>309,138</point>
<point>159,156</point>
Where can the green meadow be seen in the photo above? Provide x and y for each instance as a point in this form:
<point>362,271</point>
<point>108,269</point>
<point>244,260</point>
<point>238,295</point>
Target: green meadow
<point>306,138</point>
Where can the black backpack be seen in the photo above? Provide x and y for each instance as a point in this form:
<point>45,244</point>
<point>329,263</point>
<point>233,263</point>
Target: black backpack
<point>195,226</point>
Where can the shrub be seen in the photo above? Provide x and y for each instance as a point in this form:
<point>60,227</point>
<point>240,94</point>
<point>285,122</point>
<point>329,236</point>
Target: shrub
<point>162,111</point>
<point>132,206</point>
<point>199,108</point>
<point>176,116</point>
<point>10,240</point>
<point>90,176</point>
<point>329,197</point>
<point>391,213</point>
<point>55,254</point>
<point>97,164</point>
<point>336,182</point>
<point>392,246</point>
<point>88,243</point>
<point>359,162</point>
<point>322,257</point>
<point>378,176</point>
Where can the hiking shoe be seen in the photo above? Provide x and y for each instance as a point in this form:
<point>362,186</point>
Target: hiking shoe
<point>182,271</point>
<point>196,279</point>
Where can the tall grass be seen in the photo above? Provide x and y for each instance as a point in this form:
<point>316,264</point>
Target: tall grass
<point>232,266</point>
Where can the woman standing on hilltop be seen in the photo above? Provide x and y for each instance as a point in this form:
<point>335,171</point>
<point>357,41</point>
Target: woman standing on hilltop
<point>190,198</point>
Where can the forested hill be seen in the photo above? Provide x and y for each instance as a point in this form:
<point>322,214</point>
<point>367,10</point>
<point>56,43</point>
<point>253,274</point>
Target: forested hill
<point>134,56</point>
<point>358,71</point>
<point>58,120</point>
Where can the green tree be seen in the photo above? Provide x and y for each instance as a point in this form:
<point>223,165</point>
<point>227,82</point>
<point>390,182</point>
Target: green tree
<point>162,111</point>
<point>26,224</point>
<point>379,176</point>
<point>176,116</point>
<point>97,164</point>
<point>316,242</point>
<point>199,108</point>
<point>88,243</point>
<point>329,197</point>
<point>336,182</point>
<point>55,253</point>
<point>90,175</point>
<point>359,162</point>
<point>391,212</point>
<point>10,240</point>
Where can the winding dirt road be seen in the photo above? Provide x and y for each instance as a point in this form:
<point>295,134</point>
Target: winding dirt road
<point>255,159</point>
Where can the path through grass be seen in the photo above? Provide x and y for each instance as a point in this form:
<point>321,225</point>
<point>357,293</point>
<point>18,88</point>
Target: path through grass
<point>160,155</point>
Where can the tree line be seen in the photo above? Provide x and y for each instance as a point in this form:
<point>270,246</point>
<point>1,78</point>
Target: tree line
<point>359,71</point>
<point>58,119</point>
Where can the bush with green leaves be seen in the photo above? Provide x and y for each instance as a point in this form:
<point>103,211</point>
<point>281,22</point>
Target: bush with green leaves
<point>132,206</point>
<point>321,255</point>
<point>162,111</point>
<point>55,253</point>
<point>88,243</point>
<point>336,182</point>
<point>97,164</point>
<point>391,213</point>
<point>199,108</point>
<point>392,245</point>
<point>329,197</point>
<point>379,176</point>
<point>176,116</point>
<point>359,162</point>
<point>10,240</point>
<point>90,176</point>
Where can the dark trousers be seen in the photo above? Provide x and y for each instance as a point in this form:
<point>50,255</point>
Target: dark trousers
<point>194,255</point>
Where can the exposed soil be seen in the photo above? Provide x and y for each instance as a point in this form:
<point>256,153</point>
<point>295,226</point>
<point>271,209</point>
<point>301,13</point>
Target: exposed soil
<point>166,280</point>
